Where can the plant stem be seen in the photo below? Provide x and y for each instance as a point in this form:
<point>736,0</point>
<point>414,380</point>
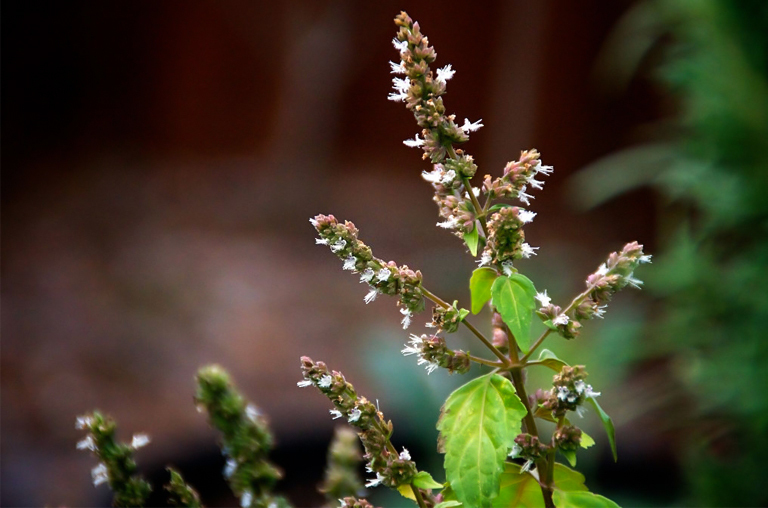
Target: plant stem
<point>483,361</point>
<point>417,495</point>
<point>438,301</point>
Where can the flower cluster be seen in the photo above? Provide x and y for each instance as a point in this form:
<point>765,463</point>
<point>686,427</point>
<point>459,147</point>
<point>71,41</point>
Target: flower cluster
<point>344,457</point>
<point>246,439</point>
<point>392,469</point>
<point>448,318</point>
<point>181,494</point>
<point>116,466</point>
<point>569,392</point>
<point>432,351</point>
<point>567,438</point>
<point>615,274</point>
<point>518,176</point>
<point>382,277</point>
<point>505,242</point>
<point>351,502</point>
<point>529,448</point>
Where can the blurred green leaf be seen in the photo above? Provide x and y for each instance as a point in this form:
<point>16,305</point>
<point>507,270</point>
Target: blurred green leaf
<point>514,298</point>
<point>480,287</point>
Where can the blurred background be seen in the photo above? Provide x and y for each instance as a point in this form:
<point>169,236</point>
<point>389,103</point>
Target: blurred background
<point>160,161</point>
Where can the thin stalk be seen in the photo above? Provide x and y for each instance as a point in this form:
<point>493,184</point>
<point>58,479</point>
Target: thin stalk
<point>479,211</point>
<point>418,496</point>
<point>438,301</point>
<point>483,361</point>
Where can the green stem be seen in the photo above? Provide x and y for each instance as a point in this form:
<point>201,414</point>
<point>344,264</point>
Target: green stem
<point>483,361</point>
<point>418,496</point>
<point>438,301</point>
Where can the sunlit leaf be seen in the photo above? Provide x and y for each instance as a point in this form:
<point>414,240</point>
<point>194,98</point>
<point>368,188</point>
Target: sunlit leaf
<point>424,480</point>
<point>550,359</point>
<point>570,456</point>
<point>581,500</point>
<point>480,287</point>
<point>514,298</point>
<point>478,425</point>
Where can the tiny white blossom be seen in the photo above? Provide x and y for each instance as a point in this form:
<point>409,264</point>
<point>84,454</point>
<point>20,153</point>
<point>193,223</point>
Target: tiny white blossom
<point>349,263</point>
<point>471,126</point>
<point>252,412</point>
<point>581,411</point>
<point>433,176</point>
<point>645,259</point>
<point>397,68</point>
<point>407,314</point>
<point>415,347</point>
<point>401,84</point>
<point>313,221</point>
<point>589,393</point>
<point>431,366</point>
<point>515,451</point>
<point>375,481</point>
<point>354,415</point>
<point>246,499</point>
<point>325,381</point>
<point>562,393</point>
<point>506,267</point>
<point>536,184</point>
<point>485,258</point>
<point>83,422</point>
<point>602,269</point>
<point>600,311</point>
<point>635,283</point>
<point>99,474</point>
<point>397,97</point>
<point>562,319</point>
<point>371,296</point>
<point>229,468</point>
<point>547,170</point>
<point>449,223</point>
<point>528,251</point>
<point>448,177</point>
<point>405,454</point>
<point>401,46</point>
<point>367,275</point>
<point>415,142</point>
<point>338,245</point>
<point>304,384</point>
<point>444,74</point>
<point>528,466</point>
<point>321,241</point>
<point>524,196</point>
<point>383,275</point>
<point>139,440</point>
<point>543,298</point>
<point>526,216</point>
<point>86,444</point>
<point>335,413</point>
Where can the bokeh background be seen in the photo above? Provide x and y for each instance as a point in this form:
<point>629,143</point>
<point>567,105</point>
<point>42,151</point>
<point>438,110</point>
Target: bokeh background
<point>160,161</point>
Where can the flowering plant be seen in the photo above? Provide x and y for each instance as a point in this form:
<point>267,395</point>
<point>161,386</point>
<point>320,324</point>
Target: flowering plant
<point>494,452</point>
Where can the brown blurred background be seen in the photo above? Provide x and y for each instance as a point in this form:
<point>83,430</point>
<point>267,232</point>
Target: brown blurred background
<point>160,161</point>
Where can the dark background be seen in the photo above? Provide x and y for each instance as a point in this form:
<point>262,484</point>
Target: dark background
<point>160,161</point>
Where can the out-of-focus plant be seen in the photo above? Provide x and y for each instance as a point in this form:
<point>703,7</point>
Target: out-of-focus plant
<point>495,451</point>
<point>712,173</point>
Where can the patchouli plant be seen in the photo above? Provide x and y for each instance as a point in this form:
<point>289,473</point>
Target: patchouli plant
<point>494,452</point>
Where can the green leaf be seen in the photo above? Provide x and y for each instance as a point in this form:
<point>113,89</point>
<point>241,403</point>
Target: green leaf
<point>581,500</point>
<point>424,480</point>
<point>462,314</point>
<point>406,491</point>
<point>478,425</point>
<point>550,359</point>
<point>498,207</point>
<point>608,424</point>
<point>586,440</point>
<point>448,504</point>
<point>480,287</point>
<point>570,456</point>
<point>514,298</point>
<point>522,490</point>
<point>471,239</point>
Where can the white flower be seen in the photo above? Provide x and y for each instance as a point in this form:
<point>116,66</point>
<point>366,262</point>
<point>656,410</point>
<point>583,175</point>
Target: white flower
<point>229,468</point>
<point>433,176</point>
<point>407,314</point>
<point>371,296</point>
<point>547,170</point>
<point>335,413</point>
<point>528,251</point>
<point>405,455</point>
<point>536,184</point>
<point>375,481</point>
<point>635,283</point>
<point>401,46</point>
<point>528,466</point>
<point>321,241</point>
<point>562,319</point>
<point>397,97</point>
<point>449,177</point>
<point>414,348</point>
<point>506,267</point>
<point>524,196</point>
<point>449,223</point>
<point>515,451</point>
<point>99,474</point>
<point>397,68</point>
<point>354,415</point>
<point>349,263</point>
<point>246,499</point>
<point>415,142</point>
<point>383,275</point>
<point>444,74</point>
<point>471,126</point>
<point>139,440</point>
<point>602,269</point>
<point>338,245</point>
<point>304,384</point>
<point>325,381</point>
<point>87,444</point>
<point>485,258</point>
<point>562,392</point>
<point>313,221</point>
<point>581,410</point>
<point>526,216</point>
<point>645,259</point>
<point>543,298</point>
<point>83,422</point>
<point>600,311</point>
<point>367,275</point>
<point>401,84</point>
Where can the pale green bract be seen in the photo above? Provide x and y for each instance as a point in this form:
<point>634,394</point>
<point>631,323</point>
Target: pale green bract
<point>478,425</point>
